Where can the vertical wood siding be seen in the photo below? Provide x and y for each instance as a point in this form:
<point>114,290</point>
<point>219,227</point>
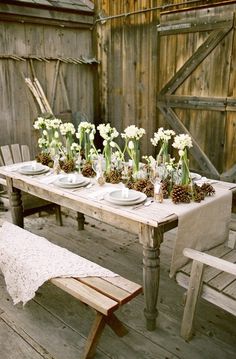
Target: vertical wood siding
<point>75,86</point>
<point>137,61</point>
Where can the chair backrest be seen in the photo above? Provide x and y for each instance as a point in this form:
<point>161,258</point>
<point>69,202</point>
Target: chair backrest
<point>14,153</point>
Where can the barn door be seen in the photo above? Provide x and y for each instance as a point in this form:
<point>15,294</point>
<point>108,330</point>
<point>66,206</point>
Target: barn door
<point>175,103</point>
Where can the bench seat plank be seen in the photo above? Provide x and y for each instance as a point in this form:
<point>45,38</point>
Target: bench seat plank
<point>125,284</point>
<point>86,294</point>
<point>104,286</point>
<point>230,290</point>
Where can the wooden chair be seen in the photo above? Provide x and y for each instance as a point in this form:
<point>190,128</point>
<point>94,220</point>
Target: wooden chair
<point>31,204</point>
<point>211,275</point>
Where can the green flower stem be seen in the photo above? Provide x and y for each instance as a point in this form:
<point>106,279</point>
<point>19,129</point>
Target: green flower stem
<point>107,154</point>
<point>164,153</point>
<point>68,146</point>
<point>87,147</point>
<point>136,156</point>
<point>185,177</point>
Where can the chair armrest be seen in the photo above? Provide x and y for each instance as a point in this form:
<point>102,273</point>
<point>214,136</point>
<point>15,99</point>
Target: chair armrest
<point>210,260</point>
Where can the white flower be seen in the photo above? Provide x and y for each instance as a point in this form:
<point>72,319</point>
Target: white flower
<point>133,132</point>
<point>104,143</point>
<point>85,127</point>
<point>182,141</point>
<point>67,128</point>
<point>42,142</point>
<point>107,132</point>
<point>131,145</point>
<point>45,133</point>
<point>181,153</point>
<point>56,134</point>
<point>162,135</point>
<point>75,147</point>
<point>53,123</point>
<point>112,144</point>
<point>39,123</point>
<point>91,136</point>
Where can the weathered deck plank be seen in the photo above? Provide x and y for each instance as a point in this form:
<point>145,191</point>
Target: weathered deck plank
<point>58,323</point>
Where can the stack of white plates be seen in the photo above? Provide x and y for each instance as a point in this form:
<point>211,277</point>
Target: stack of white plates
<point>124,198</point>
<point>71,181</point>
<point>33,169</point>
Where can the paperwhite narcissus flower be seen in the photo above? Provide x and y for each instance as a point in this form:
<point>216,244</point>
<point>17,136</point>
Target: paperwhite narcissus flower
<point>107,132</point>
<point>67,128</point>
<point>53,123</point>
<point>42,142</point>
<point>91,136</point>
<point>162,135</point>
<point>131,145</point>
<point>75,147</point>
<point>182,141</point>
<point>133,132</point>
<point>39,123</point>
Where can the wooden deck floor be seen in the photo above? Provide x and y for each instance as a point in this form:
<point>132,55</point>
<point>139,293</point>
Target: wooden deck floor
<point>54,325</point>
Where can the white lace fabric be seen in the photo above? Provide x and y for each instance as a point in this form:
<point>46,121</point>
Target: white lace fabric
<point>28,260</point>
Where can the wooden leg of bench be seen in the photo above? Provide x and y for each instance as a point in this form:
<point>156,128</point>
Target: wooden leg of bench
<point>193,293</point>
<point>94,336</point>
<point>116,325</point>
<point>58,215</point>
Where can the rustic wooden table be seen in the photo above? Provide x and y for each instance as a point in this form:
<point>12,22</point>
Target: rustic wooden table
<point>148,222</point>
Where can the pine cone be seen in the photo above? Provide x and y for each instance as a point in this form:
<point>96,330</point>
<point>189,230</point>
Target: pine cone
<point>140,185</point>
<point>198,193</point>
<point>45,159</point>
<point>87,170</point>
<point>208,189</point>
<point>149,189</point>
<point>165,185</point>
<point>130,184</point>
<point>145,186</point>
<point>68,166</point>
<point>113,177</point>
<point>181,194</point>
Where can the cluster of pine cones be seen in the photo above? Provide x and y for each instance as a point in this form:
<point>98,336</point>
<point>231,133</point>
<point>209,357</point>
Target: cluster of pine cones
<point>142,185</point>
<point>45,159</point>
<point>87,170</point>
<point>67,165</point>
<point>184,194</point>
<point>114,176</point>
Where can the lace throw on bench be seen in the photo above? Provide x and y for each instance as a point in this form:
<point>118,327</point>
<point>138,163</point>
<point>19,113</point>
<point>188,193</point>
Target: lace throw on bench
<point>28,260</point>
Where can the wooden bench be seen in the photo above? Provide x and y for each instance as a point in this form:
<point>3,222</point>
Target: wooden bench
<point>211,275</point>
<point>105,295</point>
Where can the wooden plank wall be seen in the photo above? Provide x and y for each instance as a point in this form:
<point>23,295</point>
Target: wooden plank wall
<point>75,86</point>
<point>135,66</point>
<point>127,49</point>
<point>214,131</point>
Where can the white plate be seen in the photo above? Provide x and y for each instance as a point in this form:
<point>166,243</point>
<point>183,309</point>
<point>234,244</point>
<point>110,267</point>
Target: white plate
<point>131,195</point>
<point>33,169</point>
<point>71,185</point>
<point>141,199</point>
<point>195,176</point>
<point>70,180</point>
